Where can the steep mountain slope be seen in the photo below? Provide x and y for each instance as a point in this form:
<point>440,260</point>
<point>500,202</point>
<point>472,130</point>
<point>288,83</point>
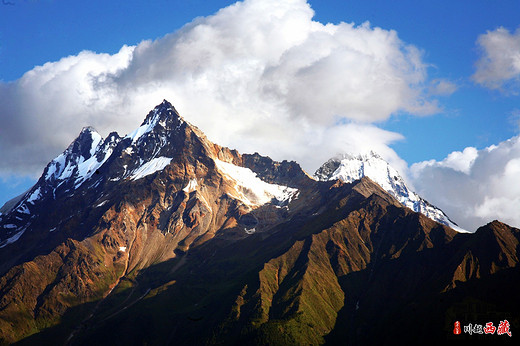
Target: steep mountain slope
<point>162,237</point>
<point>107,208</point>
<point>95,178</point>
<point>349,168</point>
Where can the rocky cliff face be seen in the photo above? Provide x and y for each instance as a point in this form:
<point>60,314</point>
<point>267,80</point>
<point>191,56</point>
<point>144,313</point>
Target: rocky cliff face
<point>163,237</point>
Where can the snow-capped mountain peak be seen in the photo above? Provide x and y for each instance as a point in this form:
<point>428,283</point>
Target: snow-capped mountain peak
<point>81,159</point>
<point>350,167</point>
<point>164,116</point>
<point>90,162</point>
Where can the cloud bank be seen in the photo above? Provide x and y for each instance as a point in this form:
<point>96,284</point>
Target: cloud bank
<point>476,186</point>
<point>499,64</point>
<point>278,83</point>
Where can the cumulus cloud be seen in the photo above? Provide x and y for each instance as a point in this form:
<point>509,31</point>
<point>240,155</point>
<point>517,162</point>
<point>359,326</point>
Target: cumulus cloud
<point>474,186</point>
<point>259,75</point>
<point>500,59</point>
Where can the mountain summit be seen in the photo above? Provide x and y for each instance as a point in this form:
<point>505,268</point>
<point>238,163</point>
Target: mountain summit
<point>350,168</point>
<point>163,237</point>
<point>94,173</point>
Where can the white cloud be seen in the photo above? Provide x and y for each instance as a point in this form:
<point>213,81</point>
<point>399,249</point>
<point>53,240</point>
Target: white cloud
<point>474,187</point>
<point>442,87</point>
<point>45,109</point>
<point>500,58</point>
<point>259,75</point>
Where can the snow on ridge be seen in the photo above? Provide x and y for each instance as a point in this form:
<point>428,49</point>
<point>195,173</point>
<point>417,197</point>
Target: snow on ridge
<point>150,167</point>
<point>88,167</point>
<point>139,132</point>
<point>145,128</point>
<point>251,190</point>
<point>354,167</point>
<point>153,121</point>
<point>34,196</point>
<point>96,140</point>
<point>79,167</point>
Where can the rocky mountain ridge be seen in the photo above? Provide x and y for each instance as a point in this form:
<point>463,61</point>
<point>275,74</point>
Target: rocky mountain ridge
<point>163,237</point>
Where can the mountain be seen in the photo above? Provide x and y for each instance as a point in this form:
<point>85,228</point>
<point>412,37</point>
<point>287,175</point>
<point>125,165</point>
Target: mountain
<point>350,168</point>
<point>162,237</point>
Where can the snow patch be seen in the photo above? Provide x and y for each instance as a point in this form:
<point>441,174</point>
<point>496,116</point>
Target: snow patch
<point>81,168</point>
<point>192,186</point>
<point>101,204</point>
<point>151,167</point>
<point>139,132</point>
<point>68,170</point>
<point>52,229</point>
<point>250,231</point>
<point>23,209</point>
<point>122,248</point>
<point>9,226</point>
<point>96,139</point>
<point>251,190</point>
<point>55,167</point>
<point>34,196</point>
<point>88,167</point>
<point>12,239</point>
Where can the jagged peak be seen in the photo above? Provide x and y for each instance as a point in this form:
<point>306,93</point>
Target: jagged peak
<point>362,156</point>
<point>350,167</point>
<point>163,111</point>
<point>88,129</point>
<point>85,143</point>
<point>88,147</point>
<point>86,133</point>
<point>325,171</point>
<point>165,103</point>
<point>163,116</point>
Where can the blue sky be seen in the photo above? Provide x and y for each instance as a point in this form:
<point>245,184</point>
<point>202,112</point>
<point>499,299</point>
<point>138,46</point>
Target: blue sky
<point>447,32</point>
<point>459,111</point>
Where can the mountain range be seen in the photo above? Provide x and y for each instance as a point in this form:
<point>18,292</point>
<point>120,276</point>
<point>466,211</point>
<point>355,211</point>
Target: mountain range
<point>163,237</point>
